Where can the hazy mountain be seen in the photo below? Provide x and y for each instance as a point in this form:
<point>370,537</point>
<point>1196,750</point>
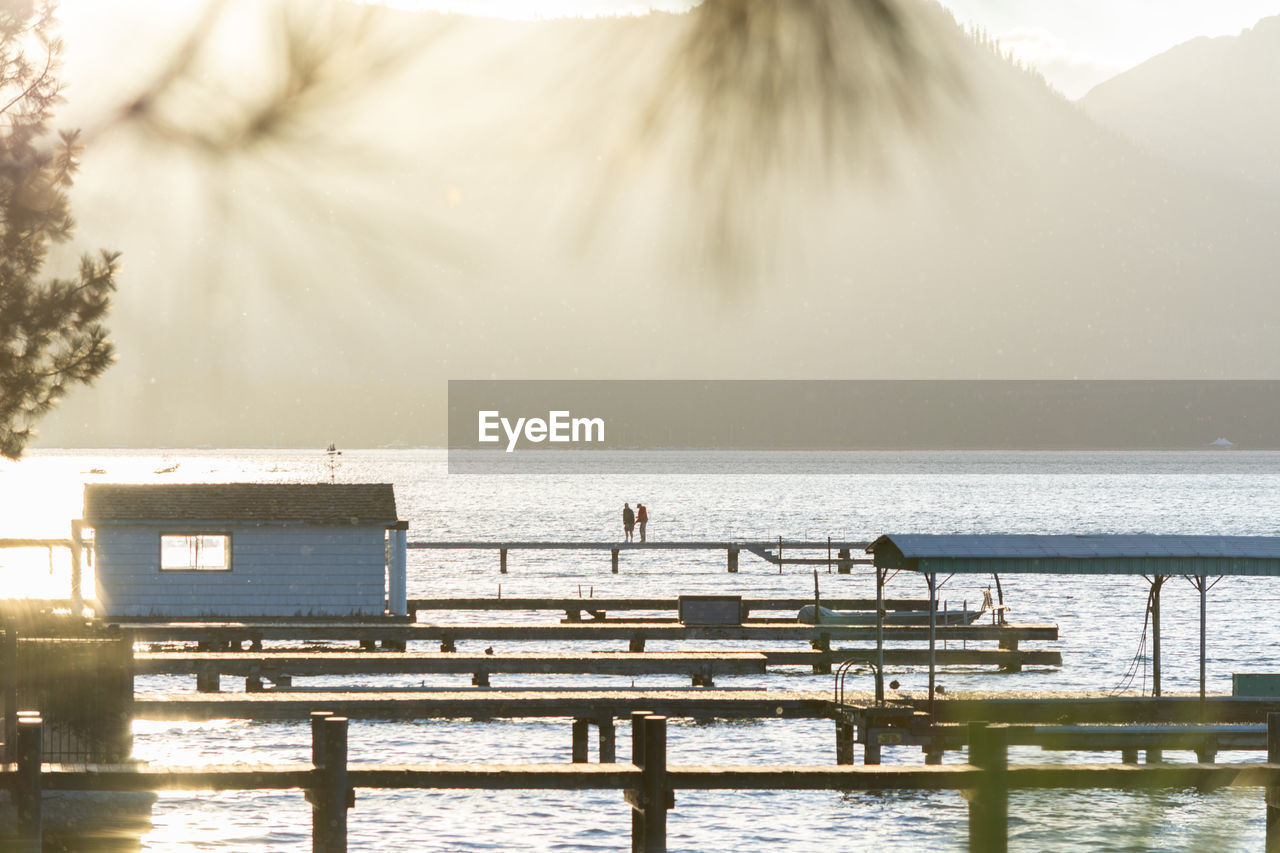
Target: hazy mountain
<point>1211,103</point>
<point>507,206</point>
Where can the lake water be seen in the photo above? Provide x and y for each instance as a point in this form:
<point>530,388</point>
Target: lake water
<point>721,496</point>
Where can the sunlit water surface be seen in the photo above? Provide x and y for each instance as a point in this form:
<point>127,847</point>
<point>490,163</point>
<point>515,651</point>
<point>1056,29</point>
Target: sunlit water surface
<point>811,496</point>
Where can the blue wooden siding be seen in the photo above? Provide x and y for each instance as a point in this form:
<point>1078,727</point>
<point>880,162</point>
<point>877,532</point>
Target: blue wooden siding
<point>275,571</point>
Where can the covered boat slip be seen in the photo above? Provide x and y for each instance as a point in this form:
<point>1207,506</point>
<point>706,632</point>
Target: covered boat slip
<point>1202,560</point>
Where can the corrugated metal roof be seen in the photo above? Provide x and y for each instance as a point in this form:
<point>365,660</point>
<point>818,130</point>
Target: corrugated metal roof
<point>323,503</point>
<point>1083,547</point>
<point>1083,554</point>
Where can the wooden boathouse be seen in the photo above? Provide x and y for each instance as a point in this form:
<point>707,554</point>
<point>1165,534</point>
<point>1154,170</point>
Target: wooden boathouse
<point>245,550</point>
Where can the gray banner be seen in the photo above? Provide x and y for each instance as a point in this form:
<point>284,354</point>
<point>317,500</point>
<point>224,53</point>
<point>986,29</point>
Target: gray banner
<point>507,425</point>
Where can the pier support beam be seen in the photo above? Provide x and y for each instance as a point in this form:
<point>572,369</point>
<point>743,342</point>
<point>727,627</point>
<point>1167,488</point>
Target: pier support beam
<point>1129,755</point>
<point>1157,582</point>
<point>989,802</point>
<point>844,564</point>
<point>733,561</point>
<point>502,560</point>
<point>614,559</point>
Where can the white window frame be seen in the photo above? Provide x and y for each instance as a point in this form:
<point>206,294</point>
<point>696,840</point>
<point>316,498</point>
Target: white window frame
<point>195,545</point>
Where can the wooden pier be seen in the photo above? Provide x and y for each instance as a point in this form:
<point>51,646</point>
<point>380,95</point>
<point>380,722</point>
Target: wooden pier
<point>839,553</point>
<point>648,783</point>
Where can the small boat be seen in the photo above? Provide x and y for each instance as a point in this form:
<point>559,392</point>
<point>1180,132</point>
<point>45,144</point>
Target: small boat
<point>892,617</point>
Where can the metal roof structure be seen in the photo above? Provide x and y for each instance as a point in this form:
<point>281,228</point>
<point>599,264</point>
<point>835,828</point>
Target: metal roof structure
<point>1093,554</point>
<point>311,503</point>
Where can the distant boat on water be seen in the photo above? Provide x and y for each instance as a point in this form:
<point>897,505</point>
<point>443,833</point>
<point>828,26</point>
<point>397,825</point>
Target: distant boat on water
<point>1222,442</point>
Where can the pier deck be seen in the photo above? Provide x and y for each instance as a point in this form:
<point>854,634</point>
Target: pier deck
<point>487,704</point>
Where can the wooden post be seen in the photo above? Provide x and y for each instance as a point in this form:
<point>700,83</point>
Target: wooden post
<point>844,741</point>
<point>209,680</point>
<point>654,784</point>
<point>581,728</point>
<point>318,828</point>
<point>822,644</point>
<point>989,803</point>
<point>1208,751</point>
<point>614,557</point>
<point>9,685</point>
<point>844,565</point>
<point>27,790</point>
<point>634,797</point>
<point>332,794</point>
<point>1129,755</point>
<point>502,560</point>
<point>870,749</point>
<point>733,561</point>
<point>636,644</point>
<point>608,739</point>
<point>77,546</point>
<point>879,635</point>
<point>1273,792</point>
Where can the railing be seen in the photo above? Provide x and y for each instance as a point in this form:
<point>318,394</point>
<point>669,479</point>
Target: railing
<point>648,782</point>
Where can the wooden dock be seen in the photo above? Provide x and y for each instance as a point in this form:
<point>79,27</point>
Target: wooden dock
<point>839,553</point>
<point>491,704</point>
<point>648,783</point>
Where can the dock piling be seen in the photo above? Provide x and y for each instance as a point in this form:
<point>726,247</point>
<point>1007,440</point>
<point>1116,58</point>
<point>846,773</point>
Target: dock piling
<point>733,561</point>
<point>1273,792</point>
<point>844,563</point>
<point>581,729</point>
<point>614,560</point>
<point>332,794</point>
<point>657,796</point>
<point>844,740</point>
<point>608,738</point>
<point>989,803</point>
<point>634,797</point>
<point>502,560</point>
<point>27,792</point>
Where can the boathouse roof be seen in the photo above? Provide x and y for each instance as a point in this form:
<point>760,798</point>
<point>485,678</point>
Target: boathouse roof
<point>313,503</point>
<point>1111,554</point>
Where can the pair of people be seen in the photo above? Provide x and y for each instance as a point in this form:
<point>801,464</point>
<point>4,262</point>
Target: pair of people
<point>631,518</point>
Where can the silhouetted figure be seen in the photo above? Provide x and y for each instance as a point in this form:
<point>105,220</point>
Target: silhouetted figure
<point>628,522</point>
<point>642,518</point>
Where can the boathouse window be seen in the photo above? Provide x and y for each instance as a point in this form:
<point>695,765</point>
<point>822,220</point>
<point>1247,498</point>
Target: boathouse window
<point>195,552</point>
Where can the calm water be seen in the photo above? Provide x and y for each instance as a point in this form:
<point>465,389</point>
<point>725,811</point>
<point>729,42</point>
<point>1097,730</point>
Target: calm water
<point>852,496</point>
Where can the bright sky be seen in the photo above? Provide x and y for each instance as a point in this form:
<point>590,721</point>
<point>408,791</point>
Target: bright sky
<point>1076,44</point>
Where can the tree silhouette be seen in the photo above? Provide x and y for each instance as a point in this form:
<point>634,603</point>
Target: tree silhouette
<point>50,331</point>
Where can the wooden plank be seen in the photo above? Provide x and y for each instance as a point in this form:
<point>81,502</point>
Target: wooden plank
<point>691,703</point>
<point>780,631</point>
<point>586,604</point>
<point>687,777</point>
<point>691,545</point>
<point>342,663</point>
<point>1080,708</point>
<point>919,657</point>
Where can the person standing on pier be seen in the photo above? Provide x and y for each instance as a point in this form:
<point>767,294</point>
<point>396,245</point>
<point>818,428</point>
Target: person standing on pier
<point>628,522</point>
<point>642,518</point>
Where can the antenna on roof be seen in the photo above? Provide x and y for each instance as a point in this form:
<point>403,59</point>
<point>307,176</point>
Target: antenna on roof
<point>331,457</point>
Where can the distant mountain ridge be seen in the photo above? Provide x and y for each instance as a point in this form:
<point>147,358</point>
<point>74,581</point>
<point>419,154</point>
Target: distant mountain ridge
<point>1210,104</point>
